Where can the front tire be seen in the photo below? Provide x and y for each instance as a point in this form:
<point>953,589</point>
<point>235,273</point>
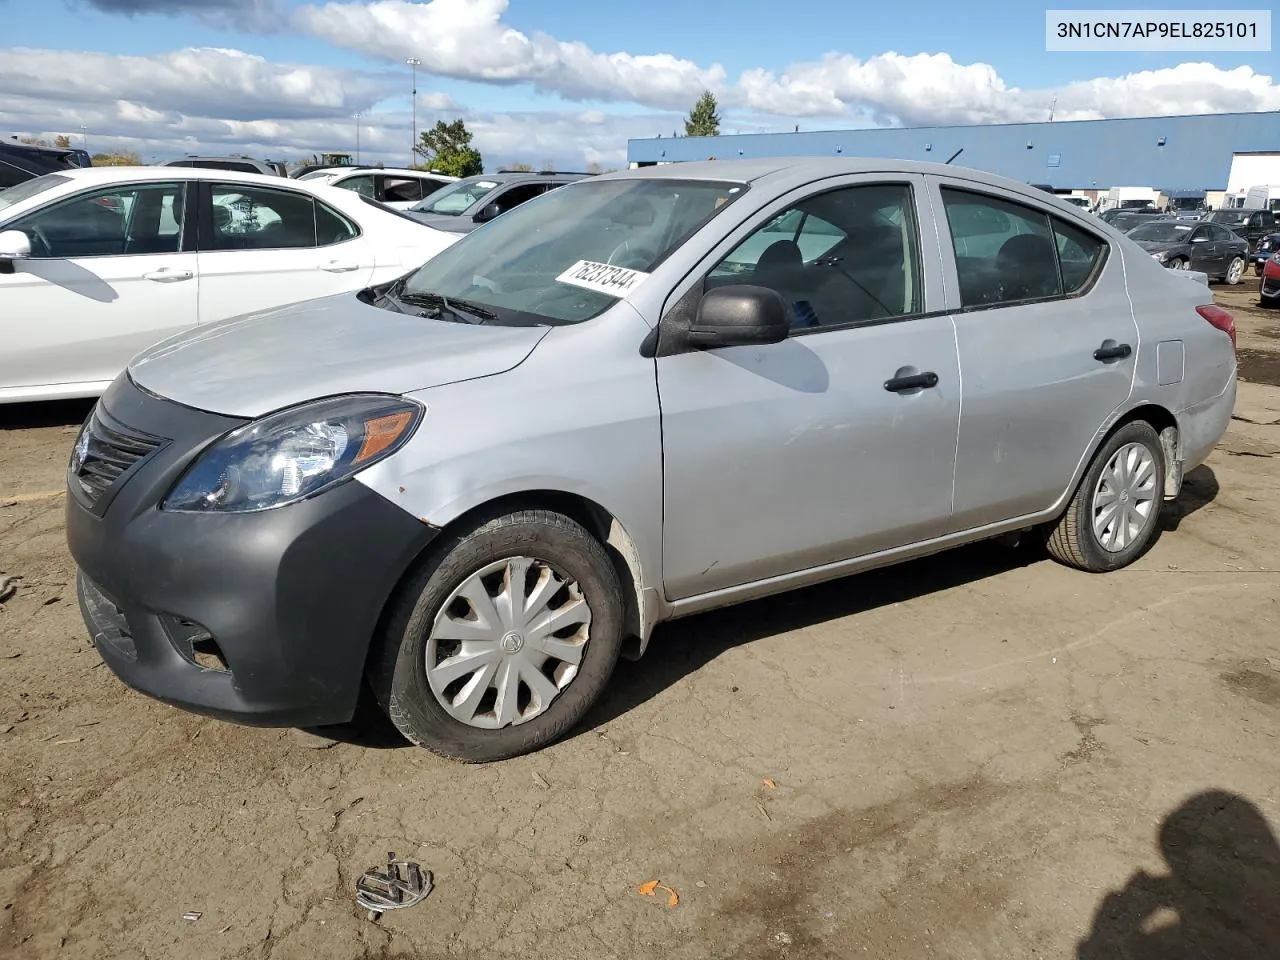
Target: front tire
<point>503,640</point>
<point>1113,515</point>
<point>1179,263</point>
<point>1235,271</point>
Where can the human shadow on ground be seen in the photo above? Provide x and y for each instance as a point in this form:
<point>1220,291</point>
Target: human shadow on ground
<point>1219,900</point>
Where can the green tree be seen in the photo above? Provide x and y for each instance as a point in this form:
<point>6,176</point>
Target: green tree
<point>119,159</point>
<point>703,121</point>
<point>33,142</point>
<point>446,147</point>
<point>62,142</point>
<point>519,168</point>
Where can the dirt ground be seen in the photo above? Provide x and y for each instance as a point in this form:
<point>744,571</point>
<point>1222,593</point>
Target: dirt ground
<point>981,755</point>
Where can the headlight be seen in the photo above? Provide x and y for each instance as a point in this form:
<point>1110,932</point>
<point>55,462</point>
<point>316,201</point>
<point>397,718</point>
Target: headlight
<point>1162,256</point>
<point>294,454</point>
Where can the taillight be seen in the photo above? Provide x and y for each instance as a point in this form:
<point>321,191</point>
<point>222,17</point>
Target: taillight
<point>1219,319</point>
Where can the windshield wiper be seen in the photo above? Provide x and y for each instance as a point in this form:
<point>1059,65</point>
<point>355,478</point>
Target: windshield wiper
<point>442,304</point>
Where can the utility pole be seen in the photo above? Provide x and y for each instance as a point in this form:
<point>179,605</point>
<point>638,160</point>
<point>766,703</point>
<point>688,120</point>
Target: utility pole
<point>1052,103</point>
<point>357,139</point>
<point>84,136</point>
<point>414,63</point>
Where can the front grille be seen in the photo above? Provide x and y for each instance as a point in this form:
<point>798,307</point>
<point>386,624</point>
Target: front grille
<point>104,451</point>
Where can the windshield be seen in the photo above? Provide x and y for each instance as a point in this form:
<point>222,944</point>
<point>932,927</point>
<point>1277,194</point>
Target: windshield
<point>456,197</point>
<point>547,260</point>
<point>30,188</point>
<point>1163,232</point>
<point>1232,218</point>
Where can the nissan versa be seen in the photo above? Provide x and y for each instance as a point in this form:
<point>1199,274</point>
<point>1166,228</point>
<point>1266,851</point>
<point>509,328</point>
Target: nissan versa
<point>640,396</point>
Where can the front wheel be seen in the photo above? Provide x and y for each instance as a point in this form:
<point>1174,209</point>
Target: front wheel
<point>503,640</point>
<point>1235,272</point>
<point>1112,517</point>
<point>1179,263</point>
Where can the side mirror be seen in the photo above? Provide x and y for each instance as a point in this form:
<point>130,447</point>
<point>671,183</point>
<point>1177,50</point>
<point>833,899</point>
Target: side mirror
<point>487,213</point>
<point>14,245</point>
<point>739,315</point>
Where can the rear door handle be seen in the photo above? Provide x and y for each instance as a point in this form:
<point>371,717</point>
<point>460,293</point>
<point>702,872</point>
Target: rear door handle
<point>1110,350</point>
<point>916,381</point>
<point>165,275</point>
<point>339,266</point>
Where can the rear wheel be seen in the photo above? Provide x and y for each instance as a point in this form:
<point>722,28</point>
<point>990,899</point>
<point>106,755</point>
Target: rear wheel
<point>1235,272</point>
<point>1112,517</point>
<point>503,641</point>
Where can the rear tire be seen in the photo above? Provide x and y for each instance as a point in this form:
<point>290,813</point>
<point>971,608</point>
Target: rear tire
<point>1111,519</point>
<point>562,569</point>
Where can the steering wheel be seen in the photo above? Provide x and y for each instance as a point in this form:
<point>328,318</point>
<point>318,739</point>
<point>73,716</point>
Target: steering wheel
<point>637,258</point>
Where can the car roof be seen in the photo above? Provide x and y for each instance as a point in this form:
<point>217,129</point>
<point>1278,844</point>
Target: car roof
<point>807,169</point>
<point>109,175</point>
<point>403,171</point>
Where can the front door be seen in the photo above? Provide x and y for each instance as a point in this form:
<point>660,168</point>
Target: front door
<point>837,442</point>
<point>1047,345</point>
<point>264,247</point>
<point>1205,251</point>
<point>110,273</point>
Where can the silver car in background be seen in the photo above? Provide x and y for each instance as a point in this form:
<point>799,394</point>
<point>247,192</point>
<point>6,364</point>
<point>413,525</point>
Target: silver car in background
<point>638,397</point>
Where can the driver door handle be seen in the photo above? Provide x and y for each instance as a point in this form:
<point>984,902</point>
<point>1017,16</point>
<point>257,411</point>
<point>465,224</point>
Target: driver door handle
<point>339,266</point>
<point>166,275</point>
<point>1112,351</point>
<point>915,381</point>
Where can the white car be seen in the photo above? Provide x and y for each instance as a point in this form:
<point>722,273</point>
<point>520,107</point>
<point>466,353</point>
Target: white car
<point>399,189</point>
<point>97,264</point>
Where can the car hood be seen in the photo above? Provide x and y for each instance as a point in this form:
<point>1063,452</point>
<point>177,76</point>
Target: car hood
<point>249,366</point>
<point>1159,246</point>
<point>443,221</point>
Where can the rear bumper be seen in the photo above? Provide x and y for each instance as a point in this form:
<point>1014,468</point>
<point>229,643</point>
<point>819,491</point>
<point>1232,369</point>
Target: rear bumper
<point>287,599</point>
<point>1202,425</point>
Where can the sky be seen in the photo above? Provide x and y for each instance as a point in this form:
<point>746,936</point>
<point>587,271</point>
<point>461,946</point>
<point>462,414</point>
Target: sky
<point>565,82</point>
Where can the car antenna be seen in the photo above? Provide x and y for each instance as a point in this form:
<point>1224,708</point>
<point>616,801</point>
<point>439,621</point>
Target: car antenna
<point>954,155</point>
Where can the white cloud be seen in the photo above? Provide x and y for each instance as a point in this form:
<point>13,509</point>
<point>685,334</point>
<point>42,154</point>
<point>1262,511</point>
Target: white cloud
<point>467,39</point>
<point>932,88</point>
<point>206,82</point>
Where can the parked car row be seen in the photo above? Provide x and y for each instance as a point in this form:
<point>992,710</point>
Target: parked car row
<point>97,264</point>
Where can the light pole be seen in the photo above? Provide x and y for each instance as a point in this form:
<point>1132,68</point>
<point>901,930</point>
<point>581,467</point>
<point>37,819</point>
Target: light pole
<point>84,136</point>
<point>414,63</point>
<point>357,138</point>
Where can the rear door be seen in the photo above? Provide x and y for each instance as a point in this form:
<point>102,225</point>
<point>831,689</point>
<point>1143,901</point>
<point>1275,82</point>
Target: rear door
<point>111,271</point>
<point>264,247</point>
<point>1047,345</point>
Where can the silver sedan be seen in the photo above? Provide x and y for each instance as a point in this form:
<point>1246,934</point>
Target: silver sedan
<point>634,398</point>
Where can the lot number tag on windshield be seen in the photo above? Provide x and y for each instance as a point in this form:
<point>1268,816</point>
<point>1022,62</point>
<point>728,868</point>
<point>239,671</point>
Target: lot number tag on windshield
<point>602,278</point>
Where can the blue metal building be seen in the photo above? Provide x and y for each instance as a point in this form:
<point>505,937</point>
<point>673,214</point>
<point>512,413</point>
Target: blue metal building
<point>1184,155</point>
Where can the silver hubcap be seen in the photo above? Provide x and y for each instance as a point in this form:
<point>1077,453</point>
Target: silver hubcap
<point>1235,271</point>
<point>506,642</point>
<point>1125,499</point>
<point>1180,265</point>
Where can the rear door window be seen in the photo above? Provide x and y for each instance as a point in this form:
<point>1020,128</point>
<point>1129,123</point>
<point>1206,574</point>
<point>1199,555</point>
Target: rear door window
<point>1005,252</point>
<point>257,218</point>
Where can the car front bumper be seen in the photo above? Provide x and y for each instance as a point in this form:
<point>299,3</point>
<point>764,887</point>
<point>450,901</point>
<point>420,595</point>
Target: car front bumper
<point>260,618</point>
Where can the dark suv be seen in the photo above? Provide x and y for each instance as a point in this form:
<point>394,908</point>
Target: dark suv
<point>20,162</point>
<point>462,206</point>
